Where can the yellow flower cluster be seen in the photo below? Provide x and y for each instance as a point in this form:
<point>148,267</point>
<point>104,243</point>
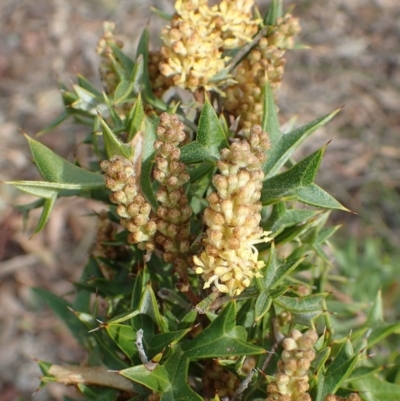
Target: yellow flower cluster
<point>265,62</point>
<point>230,260</point>
<point>291,379</point>
<point>133,209</point>
<point>196,37</point>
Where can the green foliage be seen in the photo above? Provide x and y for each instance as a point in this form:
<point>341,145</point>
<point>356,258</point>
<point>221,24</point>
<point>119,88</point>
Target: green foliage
<point>162,328</point>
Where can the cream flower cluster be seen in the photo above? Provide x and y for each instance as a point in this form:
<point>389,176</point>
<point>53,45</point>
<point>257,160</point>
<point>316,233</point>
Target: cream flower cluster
<point>229,260</point>
<point>174,212</point>
<point>133,209</point>
<point>291,379</point>
<point>265,62</point>
<point>196,37</point>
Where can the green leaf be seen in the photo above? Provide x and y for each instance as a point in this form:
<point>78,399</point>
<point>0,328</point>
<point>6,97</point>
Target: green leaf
<point>127,64</point>
<point>338,371</point>
<point>284,145</point>
<point>148,154</point>
<point>210,138</point>
<point>222,338</point>
<point>87,85</point>
<point>169,379</point>
<point>263,304</point>
<point>61,308</point>
<point>124,336</point>
<point>123,91</point>
<point>381,331</point>
<point>135,119</point>
<point>115,147</point>
<point>313,195</point>
<point>309,303</point>
<point>55,169</point>
<point>281,218</point>
<point>270,121</point>
<point>56,122</point>
<point>149,306</point>
<point>276,270</point>
<point>274,12</point>
<point>373,388</point>
<point>297,184</point>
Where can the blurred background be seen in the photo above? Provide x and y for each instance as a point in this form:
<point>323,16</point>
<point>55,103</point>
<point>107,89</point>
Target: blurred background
<point>354,62</point>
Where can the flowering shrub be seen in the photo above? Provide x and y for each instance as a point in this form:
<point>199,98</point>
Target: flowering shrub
<point>211,250</point>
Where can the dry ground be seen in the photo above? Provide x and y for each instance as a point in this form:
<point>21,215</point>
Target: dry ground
<point>354,62</point>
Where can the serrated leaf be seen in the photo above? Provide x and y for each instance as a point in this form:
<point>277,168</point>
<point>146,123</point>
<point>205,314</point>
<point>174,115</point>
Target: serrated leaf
<point>149,306</point>
<point>127,64</point>
<point>115,147</point>
<point>284,145</point>
<point>122,91</point>
<point>270,121</point>
<point>124,337</point>
<point>276,270</point>
<point>381,331</point>
<point>281,218</point>
<point>338,371</point>
<point>135,119</point>
<point>88,86</point>
<point>297,184</point>
<point>263,304</point>
<point>313,195</point>
<point>56,169</point>
<point>286,184</point>
<point>222,338</point>
<point>308,303</point>
<point>373,388</point>
<point>61,308</point>
<point>209,141</point>
<point>169,379</point>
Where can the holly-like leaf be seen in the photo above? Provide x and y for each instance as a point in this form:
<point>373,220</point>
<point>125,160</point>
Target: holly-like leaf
<point>281,218</point>
<point>169,379</point>
<point>62,309</point>
<point>114,146</point>
<point>339,370</point>
<point>374,388</point>
<point>284,145</point>
<point>135,119</point>
<point>276,270</point>
<point>309,303</point>
<point>56,169</point>
<point>149,306</point>
<point>209,141</point>
<point>222,338</point>
<point>297,184</point>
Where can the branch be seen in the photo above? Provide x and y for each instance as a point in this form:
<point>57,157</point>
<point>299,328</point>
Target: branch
<point>97,375</point>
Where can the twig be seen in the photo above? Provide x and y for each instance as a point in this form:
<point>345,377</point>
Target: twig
<point>96,375</point>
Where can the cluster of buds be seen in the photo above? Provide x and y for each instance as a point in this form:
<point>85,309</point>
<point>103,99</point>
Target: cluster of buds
<point>191,56</point>
<point>133,209</point>
<point>108,73</point>
<point>174,212</point>
<point>229,260</point>
<point>265,62</point>
<point>218,380</point>
<point>291,379</point>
